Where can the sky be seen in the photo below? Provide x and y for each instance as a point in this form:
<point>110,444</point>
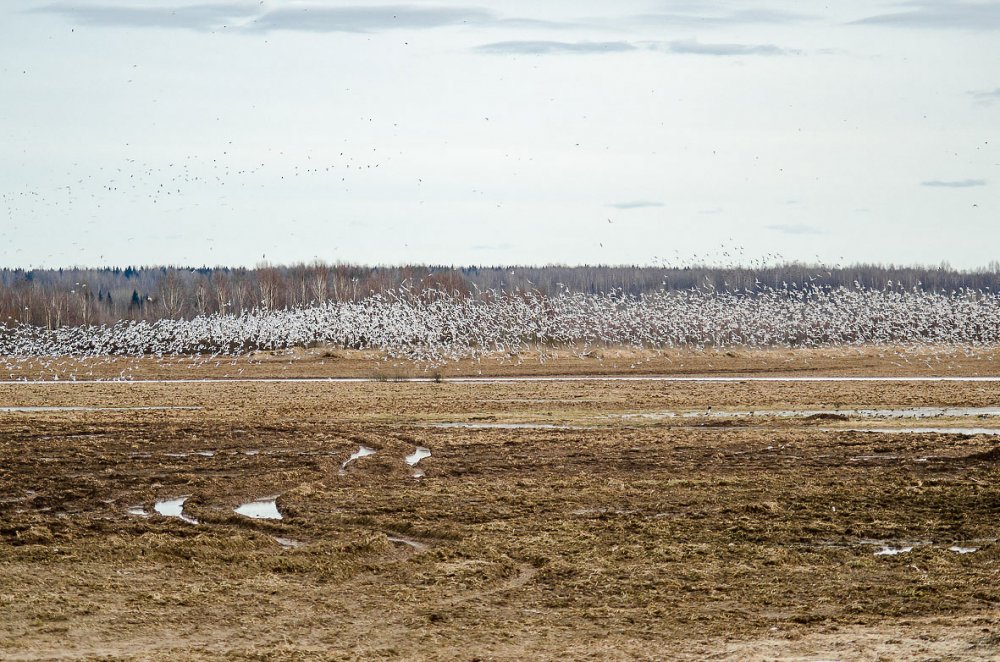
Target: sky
<point>464,133</point>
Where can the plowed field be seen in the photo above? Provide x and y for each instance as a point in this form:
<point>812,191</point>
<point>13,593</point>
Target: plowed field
<point>552,520</point>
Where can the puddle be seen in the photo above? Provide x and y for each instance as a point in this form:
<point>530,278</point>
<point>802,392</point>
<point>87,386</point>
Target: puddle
<point>173,508</point>
<point>897,548</point>
<point>409,542</point>
<point>509,426</point>
<point>912,412</point>
<point>28,410</point>
<point>418,473</point>
<point>862,458</point>
<point>288,543</point>
<point>260,509</point>
<point>251,452</point>
<point>138,511</point>
<point>206,453</point>
<point>363,451</point>
<point>419,454</point>
<point>652,415</point>
<point>988,431</point>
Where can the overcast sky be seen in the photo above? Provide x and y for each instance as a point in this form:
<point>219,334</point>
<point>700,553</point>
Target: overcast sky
<point>633,131</point>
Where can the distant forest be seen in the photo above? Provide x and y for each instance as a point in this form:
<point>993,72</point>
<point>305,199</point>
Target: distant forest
<point>54,298</point>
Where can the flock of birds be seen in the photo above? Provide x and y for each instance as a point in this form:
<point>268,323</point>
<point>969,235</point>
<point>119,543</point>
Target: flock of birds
<point>436,327</point>
<point>135,188</point>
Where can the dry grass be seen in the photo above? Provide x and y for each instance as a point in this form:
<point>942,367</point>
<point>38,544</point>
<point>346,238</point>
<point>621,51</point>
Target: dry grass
<point>621,538</point>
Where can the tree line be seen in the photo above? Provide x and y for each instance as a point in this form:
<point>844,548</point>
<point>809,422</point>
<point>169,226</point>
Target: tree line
<point>53,298</point>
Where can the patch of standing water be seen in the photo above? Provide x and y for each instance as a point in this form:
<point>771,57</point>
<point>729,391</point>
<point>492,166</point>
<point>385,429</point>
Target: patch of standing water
<point>962,550</point>
<point>260,509</point>
<point>913,412</point>
<point>363,451</point>
<point>987,431</point>
<point>861,458</point>
<point>174,508</point>
<point>138,511</point>
<point>202,453</point>
<point>413,458</point>
<point>409,542</point>
<point>893,551</point>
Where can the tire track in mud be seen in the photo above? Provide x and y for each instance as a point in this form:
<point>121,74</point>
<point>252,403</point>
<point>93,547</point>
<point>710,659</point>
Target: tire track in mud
<point>526,572</point>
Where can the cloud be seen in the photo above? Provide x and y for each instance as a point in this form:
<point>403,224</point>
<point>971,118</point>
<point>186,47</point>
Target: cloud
<point>315,17</point>
<point>794,228</point>
<point>250,17</point>
<point>535,23</point>
<point>942,14</point>
<point>636,204</point>
<point>687,47</point>
<point>369,19</point>
<point>985,96</point>
<point>742,17</point>
<point>549,47</point>
<point>190,17</point>
<point>694,47</point>
<point>961,183</point>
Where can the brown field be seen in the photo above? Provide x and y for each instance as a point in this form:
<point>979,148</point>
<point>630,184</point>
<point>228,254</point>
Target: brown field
<point>318,363</point>
<point>602,530</point>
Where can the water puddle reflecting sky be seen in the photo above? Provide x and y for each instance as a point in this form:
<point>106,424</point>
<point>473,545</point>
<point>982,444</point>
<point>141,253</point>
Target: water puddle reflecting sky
<point>363,451</point>
<point>414,458</point>
<point>260,509</point>
<point>174,508</point>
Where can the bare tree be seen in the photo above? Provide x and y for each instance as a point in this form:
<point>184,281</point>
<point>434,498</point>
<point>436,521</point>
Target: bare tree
<point>269,283</point>
<point>300,276</point>
<point>319,275</point>
<point>220,285</point>
<point>84,298</point>
<point>241,294</point>
<point>201,297</point>
<point>171,295</point>
<point>55,309</point>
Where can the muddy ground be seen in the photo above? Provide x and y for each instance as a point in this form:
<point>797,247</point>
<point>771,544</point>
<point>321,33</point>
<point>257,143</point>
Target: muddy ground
<point>603,528</point>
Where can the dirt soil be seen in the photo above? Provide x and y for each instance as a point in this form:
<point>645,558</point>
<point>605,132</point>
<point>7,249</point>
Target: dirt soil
<point>321,363</point>
<point>560,520</point>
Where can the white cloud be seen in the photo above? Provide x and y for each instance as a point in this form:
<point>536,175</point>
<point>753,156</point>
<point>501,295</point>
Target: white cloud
<point>680,47</point>
<point>939,15</point>
<point>694,47</point>
<point>552,47</point>
<point>961,183</point>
